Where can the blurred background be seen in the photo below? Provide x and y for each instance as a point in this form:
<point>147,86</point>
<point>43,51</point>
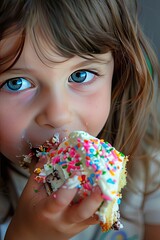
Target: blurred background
<point>149,17</point>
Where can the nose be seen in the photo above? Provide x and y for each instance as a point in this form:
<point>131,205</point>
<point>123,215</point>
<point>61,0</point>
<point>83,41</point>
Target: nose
<point>55,111</point>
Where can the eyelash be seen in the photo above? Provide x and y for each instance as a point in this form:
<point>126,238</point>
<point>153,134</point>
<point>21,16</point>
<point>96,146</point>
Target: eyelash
<point>70,81</point>
<point>86,73</point>
<point>23,84</point>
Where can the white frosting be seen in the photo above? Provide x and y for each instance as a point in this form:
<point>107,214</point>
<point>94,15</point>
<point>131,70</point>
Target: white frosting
<point>86,161</point>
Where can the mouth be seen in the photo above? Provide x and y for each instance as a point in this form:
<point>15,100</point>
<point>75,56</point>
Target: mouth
<point>33,142</point>
<point>33,139</point>
<point>33,149</point>
<point>53,141</point>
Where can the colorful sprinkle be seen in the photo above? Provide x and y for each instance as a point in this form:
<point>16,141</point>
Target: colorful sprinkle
<point>37,170</point>
<point>82,161</point>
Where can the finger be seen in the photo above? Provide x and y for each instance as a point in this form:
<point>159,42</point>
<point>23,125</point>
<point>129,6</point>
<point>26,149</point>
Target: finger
<point>94,219</point>
<point>86,208</point>
<point>60,199</point>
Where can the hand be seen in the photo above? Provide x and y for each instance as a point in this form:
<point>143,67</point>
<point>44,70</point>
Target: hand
<point>40,217</point>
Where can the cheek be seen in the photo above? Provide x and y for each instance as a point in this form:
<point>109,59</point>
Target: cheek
<point>96,109</point>
<point>9,142</point>
<point>10,138</point>
<point>98,117</point>
<point>12,127</point>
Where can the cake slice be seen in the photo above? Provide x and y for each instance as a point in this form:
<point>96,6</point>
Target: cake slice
<point>83,161</point>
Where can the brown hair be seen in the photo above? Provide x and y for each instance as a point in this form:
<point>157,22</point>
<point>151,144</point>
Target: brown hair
<point>87,28</point>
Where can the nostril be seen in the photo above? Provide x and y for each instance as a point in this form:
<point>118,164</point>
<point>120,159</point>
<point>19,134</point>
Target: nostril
<point>53,120</point>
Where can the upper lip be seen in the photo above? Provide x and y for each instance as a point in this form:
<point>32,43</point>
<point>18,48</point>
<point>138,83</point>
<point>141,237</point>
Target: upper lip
<point>60,135</point>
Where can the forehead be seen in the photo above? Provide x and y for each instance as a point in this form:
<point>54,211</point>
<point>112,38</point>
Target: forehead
<point>43,53</point>
<point>15,48</point>
<point>28,51</point>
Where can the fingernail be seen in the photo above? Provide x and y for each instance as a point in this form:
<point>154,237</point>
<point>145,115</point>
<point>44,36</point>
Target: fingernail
<point>97,190</point>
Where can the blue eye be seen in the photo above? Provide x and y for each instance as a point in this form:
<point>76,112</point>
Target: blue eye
<point>81,76</point>
<point>16,84</point>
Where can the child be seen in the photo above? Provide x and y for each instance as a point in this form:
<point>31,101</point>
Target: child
<point>76,65</point>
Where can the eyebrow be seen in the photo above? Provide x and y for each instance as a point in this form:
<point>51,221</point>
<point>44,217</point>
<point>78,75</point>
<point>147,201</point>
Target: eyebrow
<point>87,62</point>
<point>81,64</point>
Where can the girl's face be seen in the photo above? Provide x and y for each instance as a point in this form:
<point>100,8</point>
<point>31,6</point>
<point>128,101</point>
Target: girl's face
<point>39,98</point>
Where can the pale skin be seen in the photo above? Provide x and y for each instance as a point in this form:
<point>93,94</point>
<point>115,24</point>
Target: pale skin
<point>47,101</point>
